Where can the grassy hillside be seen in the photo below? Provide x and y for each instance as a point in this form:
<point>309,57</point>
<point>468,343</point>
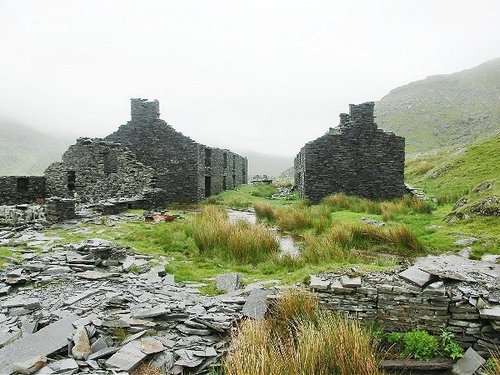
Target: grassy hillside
<point>25,151</point>
<point>453,174</point>
<point>444,110</point>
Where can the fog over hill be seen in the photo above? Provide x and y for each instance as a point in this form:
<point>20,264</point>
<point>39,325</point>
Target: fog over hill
<point>444,110</point>
<point>26,151</point>
<point>439,111</point>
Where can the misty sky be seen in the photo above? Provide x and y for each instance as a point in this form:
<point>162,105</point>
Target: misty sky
<point>262,75</point>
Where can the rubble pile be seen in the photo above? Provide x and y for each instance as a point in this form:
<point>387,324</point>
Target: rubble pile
<point>79,309</point>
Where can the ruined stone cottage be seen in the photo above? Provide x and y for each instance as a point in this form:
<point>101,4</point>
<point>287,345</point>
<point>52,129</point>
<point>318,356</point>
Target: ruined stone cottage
<point>355,158</point>
<point>145,161</point>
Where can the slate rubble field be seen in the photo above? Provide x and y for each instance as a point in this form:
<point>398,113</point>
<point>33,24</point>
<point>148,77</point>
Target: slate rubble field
<point>84,292</point>
<point>79,307</point>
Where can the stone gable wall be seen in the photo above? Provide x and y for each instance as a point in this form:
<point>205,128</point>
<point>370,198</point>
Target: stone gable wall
<point>356,158</point>
<point>178,161</point>
<point>21,189</point>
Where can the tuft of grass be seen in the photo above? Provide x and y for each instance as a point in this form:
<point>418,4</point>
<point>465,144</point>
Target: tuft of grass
<point>336,243</point>
<point>492,366</point>
<point>264,210</point>
<point>307,341</point>
<point>264,190</point>
<point>239,241</point>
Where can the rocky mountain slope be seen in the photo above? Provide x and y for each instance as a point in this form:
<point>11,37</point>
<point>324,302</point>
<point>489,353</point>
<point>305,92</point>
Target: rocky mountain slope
<point>444,110</point>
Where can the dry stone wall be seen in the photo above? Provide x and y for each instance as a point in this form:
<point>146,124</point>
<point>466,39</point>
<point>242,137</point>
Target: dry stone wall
<point>21,189</point>
<point>356,158</point>
<point>415,299</point>
<point>95,169</point>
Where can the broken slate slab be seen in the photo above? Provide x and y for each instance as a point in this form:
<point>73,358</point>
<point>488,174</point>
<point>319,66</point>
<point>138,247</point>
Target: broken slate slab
<point>416,276</point>
<point>350,282</point>
<point>150,345</point>
<point>81,349</point>
<point>64,365</point>
<point>256,305</point>
<point>30,365</point>
<point>20,301</point>
<point>490,313</point>
<point>44,342</point>
<point>96,275</point>
<point>229,282</point>
<point>318,283</point>
<point>128,357</point>
<point>469,363</point>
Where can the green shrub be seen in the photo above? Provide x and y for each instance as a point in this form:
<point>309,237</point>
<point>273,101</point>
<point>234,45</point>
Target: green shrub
<point>420,345</point>
<point>393,337</point>
<point>449,346</point>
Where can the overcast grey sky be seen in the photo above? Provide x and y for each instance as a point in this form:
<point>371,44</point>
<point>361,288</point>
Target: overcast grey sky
<point>262,75</point>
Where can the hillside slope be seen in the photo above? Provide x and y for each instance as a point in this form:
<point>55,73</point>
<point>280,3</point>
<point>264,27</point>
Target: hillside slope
<point>472,173</point>
<point>25,151</point>
<point>444,110</point>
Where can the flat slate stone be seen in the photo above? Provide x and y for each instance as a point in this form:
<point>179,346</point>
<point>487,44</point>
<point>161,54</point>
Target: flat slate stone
<point>318,283</point>
<point>128,357</point>
<point>44,342</point>
<point>412,364</point>
<point>416,276</point>
<point>229,282</point>
<point>490,313</point>
<point>31,365</point>
<point>256,305</point>
<point>350,282</point>
<point>96,275</point>
<point>469,363</point>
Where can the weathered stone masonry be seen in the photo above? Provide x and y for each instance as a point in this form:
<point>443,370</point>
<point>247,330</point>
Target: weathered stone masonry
<point>186,171</point>
<point>356,158</point>
<point>145,161</point>
<point>21,189</point>
<point>397,304</point>
<point>97,170</point>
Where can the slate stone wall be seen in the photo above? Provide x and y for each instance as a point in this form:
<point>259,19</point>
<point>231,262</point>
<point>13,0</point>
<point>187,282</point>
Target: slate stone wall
<point>179,163</point>
<point>21,189</point>
<point>356,158</point>
<point>96,170</point>
<point>398,305</point>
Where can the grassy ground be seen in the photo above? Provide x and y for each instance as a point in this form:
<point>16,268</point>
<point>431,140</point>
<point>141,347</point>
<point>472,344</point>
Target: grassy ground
<point>450,176</point>
<point>203,244</point>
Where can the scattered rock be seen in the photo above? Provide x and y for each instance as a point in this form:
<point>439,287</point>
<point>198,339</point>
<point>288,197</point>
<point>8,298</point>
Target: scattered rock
<point>81,348</point>
<point>229,282</point>
<point>469,363</point>
<point>256,305</point>
<point>30,365</point>
<point>416,276</point>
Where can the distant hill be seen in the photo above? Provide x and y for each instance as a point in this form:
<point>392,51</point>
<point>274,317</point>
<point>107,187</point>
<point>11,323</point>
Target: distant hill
<point>26,151</point>
<point>444,110</point>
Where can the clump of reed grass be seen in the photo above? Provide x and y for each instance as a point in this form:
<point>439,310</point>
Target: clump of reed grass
<point>264,211</point>
<point>294,219</point>
<point>239,241</point>
<point>388,209</point>
<point>337,243</point>
<point>492,366</point>
<point>306,341</point>
<point>341,201</point>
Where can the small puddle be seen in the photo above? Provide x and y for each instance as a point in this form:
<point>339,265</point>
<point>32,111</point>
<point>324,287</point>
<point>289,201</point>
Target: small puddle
<point>286,241</point>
